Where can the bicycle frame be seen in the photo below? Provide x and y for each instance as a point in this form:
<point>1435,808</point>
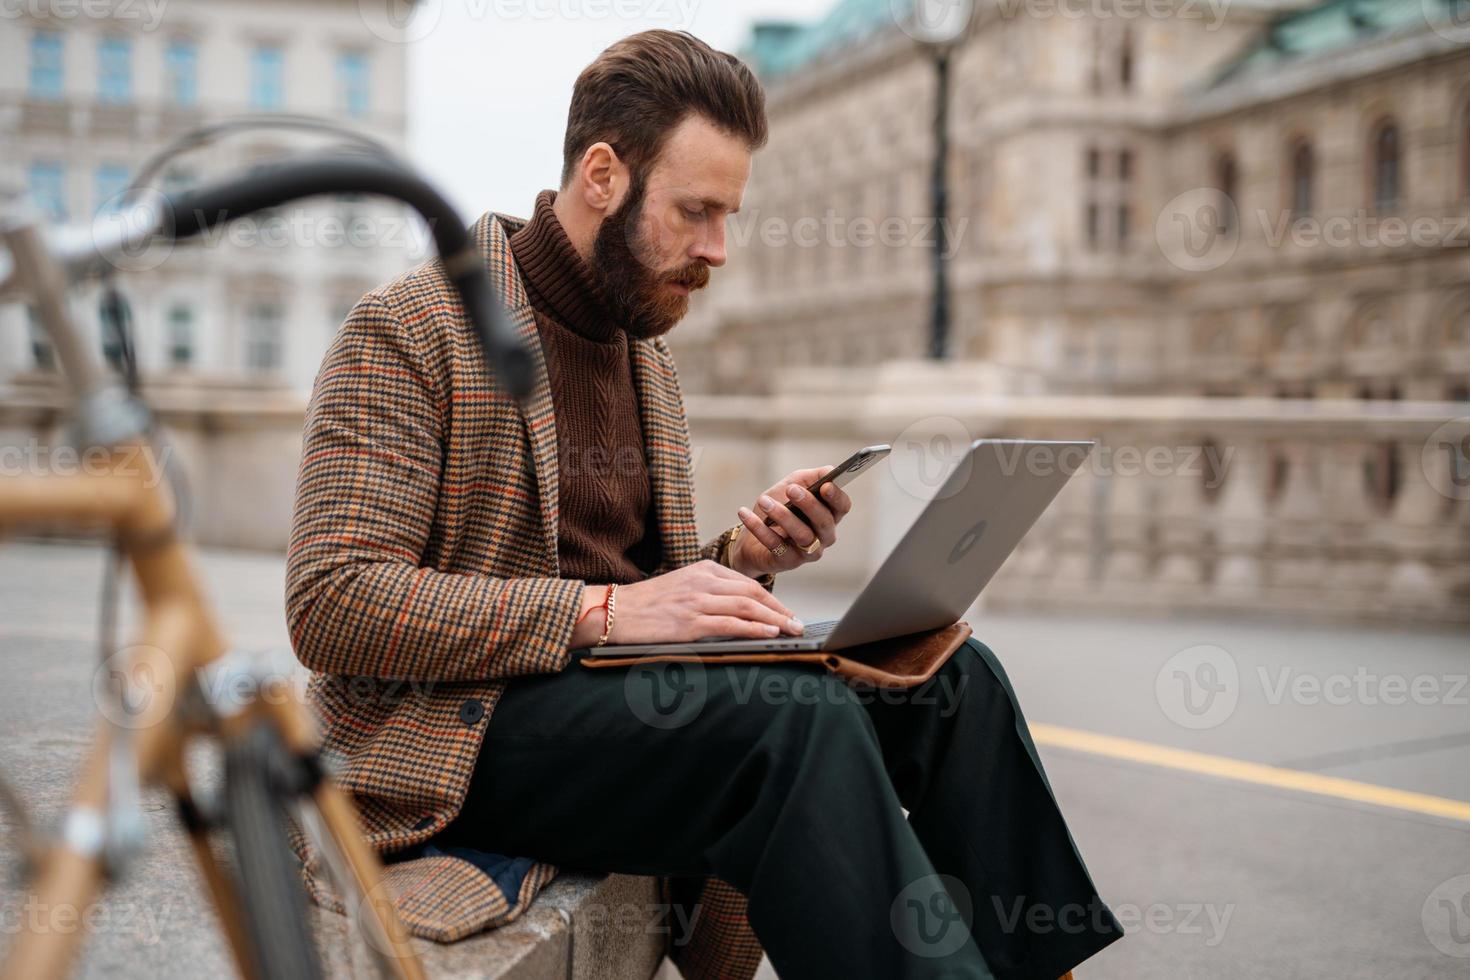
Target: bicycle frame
<point>180,635</point>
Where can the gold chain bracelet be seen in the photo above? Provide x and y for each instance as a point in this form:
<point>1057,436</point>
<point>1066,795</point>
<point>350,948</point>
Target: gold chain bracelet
<point>611,602</point>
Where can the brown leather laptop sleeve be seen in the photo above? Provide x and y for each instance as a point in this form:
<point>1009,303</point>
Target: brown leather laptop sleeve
<point>901,661</point>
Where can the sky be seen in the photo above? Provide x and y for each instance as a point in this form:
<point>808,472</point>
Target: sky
<point>489,81</point>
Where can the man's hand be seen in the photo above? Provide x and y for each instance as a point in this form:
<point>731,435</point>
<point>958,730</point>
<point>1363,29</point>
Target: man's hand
<point>697,600</point>
<point>754,550</point>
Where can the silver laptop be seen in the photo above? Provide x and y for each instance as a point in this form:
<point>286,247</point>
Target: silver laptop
<point>965,533</point>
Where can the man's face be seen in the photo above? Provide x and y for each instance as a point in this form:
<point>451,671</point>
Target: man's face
<point>659,245</point>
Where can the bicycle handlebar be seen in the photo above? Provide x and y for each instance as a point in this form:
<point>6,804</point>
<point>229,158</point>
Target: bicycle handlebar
<point>196,210</point>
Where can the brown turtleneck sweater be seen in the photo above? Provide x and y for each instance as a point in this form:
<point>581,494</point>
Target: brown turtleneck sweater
<point>608,529</point>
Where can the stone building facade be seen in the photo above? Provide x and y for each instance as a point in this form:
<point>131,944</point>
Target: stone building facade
<point>89,91</point>
<point>1146,198</point>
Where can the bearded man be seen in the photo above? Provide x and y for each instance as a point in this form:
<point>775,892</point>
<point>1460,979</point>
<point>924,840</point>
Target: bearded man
<point>451,548</point>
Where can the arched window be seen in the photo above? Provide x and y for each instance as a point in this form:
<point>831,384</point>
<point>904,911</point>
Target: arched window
<point>1303,172</point>
<point>1387,175</point>
<point>1227,177</point>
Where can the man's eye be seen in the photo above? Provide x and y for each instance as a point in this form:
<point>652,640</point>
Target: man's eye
<point>693,214</point>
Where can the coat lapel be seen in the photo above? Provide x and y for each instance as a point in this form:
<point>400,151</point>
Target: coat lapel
<point>666,450</point>
<point>492,233</point>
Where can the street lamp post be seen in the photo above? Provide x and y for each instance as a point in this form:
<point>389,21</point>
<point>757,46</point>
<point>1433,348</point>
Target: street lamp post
<point>939,25</point>
<point>939,195</point>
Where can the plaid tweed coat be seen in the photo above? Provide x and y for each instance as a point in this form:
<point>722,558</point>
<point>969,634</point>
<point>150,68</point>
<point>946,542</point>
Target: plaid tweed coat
<point>422,573</point>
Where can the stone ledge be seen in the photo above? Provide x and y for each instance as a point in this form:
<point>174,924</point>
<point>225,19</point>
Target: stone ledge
<point>580,927</point>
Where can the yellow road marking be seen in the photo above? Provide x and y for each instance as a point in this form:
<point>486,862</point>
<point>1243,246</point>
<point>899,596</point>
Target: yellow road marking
<point>1221,767</point>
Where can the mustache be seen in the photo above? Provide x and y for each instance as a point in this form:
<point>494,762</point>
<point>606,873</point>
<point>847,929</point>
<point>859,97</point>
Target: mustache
<point>694,276</point>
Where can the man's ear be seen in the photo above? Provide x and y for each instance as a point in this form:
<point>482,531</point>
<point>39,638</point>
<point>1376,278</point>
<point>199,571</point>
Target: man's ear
<point>604,178</point>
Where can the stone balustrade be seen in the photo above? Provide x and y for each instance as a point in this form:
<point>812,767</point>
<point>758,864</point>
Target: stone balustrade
<point>1319,508</point>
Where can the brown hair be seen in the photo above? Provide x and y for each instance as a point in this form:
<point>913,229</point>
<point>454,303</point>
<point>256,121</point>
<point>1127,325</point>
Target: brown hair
<point>643,86</point>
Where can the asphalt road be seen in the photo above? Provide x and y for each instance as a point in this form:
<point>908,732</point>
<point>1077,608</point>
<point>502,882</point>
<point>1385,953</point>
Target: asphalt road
<point>1213,877</point>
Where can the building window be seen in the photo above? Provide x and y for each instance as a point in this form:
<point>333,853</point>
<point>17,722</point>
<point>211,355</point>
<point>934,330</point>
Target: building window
<point>1108,210</point>
<point>267,78</point>
<point>47,75</point>
<point>263,337</point>
<point>110,182</point>
<point>181,72</point>
<point>1303,171</point>
<point>115,71</point>
<point>1125,61</point>
<point>180,336</point>
<point>353,82</point>
<point>1387,166</point>
<point>46,181</point>
<point>1227,179</point>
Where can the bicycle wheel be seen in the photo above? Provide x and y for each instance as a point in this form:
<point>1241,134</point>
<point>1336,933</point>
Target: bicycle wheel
<point>258,784</point>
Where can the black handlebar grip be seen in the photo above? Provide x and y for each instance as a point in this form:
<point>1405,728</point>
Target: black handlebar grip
<point>196,210</point>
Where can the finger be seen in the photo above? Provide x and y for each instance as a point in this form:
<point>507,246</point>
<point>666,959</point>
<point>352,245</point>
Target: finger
<point>730,626</point>
<point>743,585</point>
<point>796,528</point>
<point>817,514</point>
<point>749,608</point>
<point>756,525</point>
<point>837,500</point>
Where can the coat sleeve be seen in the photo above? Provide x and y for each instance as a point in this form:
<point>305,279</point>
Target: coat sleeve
<point>358,599</point>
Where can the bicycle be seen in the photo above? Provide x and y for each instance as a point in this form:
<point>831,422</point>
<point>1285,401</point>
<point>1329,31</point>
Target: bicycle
<point>273,767</point>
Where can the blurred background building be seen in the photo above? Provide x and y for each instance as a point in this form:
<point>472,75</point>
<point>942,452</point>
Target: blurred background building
<point>86,100</point>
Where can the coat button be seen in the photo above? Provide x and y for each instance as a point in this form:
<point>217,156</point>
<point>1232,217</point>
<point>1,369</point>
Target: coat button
<point>471,711</point>
<point>424,823</point>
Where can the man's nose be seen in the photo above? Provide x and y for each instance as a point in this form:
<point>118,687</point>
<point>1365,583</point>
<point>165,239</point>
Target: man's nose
<point>711,245</point>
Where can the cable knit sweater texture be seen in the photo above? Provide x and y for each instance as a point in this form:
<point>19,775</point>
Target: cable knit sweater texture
<point>607,531</point>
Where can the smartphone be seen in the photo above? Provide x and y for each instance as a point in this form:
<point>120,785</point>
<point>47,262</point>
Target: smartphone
<point>841,474</point>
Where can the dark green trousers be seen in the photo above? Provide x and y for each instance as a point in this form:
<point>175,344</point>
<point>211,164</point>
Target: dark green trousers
<point>787,783</point>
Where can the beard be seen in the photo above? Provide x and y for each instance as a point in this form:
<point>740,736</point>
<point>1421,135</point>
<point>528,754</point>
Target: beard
<point>635,291</point>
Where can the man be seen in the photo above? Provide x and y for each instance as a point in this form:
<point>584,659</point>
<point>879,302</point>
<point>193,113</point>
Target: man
<point>450,549</point>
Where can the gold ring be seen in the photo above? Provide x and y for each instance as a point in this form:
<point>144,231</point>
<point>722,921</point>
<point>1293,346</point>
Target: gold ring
<point>779,550</point>
<point>816,543</point>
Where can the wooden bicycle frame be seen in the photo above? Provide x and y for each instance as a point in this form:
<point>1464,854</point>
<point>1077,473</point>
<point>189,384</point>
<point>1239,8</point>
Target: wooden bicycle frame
<point>179,637</point>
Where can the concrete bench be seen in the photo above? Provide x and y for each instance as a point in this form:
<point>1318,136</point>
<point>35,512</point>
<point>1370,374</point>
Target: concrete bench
<point>581,927</point>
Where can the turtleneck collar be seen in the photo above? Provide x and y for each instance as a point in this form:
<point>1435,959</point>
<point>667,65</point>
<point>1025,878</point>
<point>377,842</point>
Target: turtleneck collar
<point>558,281</point>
